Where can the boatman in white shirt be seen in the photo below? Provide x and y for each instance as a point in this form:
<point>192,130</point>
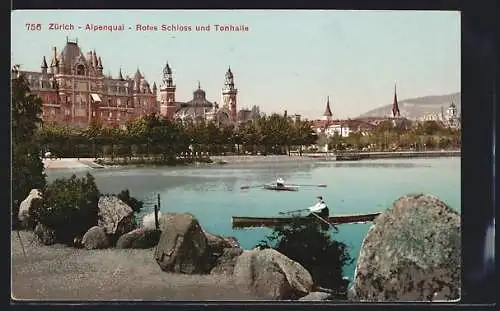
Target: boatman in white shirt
<point>280,183</point>
<point>320,208</point>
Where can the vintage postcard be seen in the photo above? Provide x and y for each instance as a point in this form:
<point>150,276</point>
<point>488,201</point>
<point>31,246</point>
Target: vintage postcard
<point>236,155</point>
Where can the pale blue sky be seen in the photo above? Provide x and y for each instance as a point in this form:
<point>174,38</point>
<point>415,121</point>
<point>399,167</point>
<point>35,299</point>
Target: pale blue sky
<point>287,60</point>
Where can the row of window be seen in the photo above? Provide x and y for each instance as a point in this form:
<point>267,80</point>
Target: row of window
<point>81,113</point>
<point>82,100</point>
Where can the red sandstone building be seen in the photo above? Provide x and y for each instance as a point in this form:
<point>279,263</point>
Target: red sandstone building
<point>76,92</point>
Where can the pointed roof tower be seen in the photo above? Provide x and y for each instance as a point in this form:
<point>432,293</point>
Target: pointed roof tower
<point>328,111</point>
<point>54,61</point>
<point>44,63</point>
<point>94,59</point>
<point>138,75</point>
<point>395,106</point>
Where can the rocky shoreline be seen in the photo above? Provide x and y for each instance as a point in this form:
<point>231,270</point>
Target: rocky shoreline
<point>411,253</point>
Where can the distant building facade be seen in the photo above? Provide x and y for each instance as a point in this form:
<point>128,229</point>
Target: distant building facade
<point>199,108</point>
<point>76,92</point>
<point>449,118</point>
<point>328,126</point>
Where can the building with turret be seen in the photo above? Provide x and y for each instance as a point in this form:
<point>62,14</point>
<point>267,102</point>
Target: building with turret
<point>199,108</point>
<point>329,126</point>
<point>75,91</point>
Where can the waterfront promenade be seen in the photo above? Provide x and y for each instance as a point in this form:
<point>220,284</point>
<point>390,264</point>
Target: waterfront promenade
<point>83,163</point>
<point>383,155</point>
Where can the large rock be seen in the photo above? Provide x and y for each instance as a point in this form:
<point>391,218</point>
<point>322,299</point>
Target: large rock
<point>45,234</point>
<point>95,238</point>
<point>224,264</point>
<point>411,253</point>
<point>217,243</point>
<point>139,238</point>
<point>271,275</point>
<point>316,296</point>
<point>32,201</point>
<point>182,246</point>
<point>115,216</point>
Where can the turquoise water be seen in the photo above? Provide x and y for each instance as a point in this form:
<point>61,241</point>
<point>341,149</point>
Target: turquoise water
<point>213,193</point>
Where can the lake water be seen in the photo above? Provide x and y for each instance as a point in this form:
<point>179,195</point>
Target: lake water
<point>213,194</point>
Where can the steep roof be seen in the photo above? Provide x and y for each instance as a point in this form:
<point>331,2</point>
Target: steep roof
<point>328,111</point>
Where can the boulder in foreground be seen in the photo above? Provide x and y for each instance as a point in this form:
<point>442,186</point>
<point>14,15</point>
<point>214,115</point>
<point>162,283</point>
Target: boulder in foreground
<point>44,234</point>
<point>183,246</point>
<point>115,216</point>
<point>224,264</point>
<point>139,238</point>
<point>316,296</point>
<point>271,275</point>
<point>95,238</point>
<point>411,253</point>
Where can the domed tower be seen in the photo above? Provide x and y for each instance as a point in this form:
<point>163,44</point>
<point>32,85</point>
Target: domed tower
<point>167,94</point>
<point>229,93</point>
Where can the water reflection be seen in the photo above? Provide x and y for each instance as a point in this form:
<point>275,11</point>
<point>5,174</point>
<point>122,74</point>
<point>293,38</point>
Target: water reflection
<point>373,165</point>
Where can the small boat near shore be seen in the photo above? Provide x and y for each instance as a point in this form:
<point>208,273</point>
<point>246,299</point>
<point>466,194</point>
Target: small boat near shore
<point>271,222</point>
<point>281,188</point>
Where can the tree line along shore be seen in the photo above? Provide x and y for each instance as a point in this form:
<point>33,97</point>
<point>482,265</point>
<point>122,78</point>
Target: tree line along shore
<point>153,139</point>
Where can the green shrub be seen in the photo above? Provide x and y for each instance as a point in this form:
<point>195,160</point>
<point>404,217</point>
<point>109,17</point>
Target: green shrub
<point>70,207</point>
<point>311,245</point>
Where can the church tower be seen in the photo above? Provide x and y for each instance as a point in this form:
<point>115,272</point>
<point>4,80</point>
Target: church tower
<point>167,94</point>
<point>395,105</point>
<point>327,115</point>
<point>229,93</point>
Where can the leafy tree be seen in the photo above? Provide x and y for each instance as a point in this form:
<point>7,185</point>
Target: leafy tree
<point>308,243</point>
<point>70,207</point>
<point>336,141</point>
<point>430,127</point>
<point>27,165</point>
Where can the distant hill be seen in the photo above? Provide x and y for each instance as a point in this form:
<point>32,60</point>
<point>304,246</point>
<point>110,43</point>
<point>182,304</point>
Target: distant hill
<point>415,108</point>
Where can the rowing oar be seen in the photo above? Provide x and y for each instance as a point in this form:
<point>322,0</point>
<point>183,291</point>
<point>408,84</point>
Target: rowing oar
<point>320,185</point>
<point>248,187</point>
<point>322,219</point>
